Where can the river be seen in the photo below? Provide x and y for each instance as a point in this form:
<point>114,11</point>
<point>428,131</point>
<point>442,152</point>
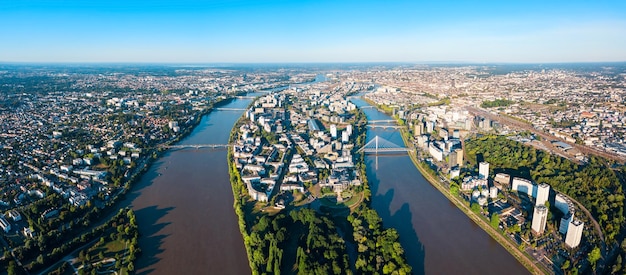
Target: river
<point>437,237</point>
<point>184,206</point>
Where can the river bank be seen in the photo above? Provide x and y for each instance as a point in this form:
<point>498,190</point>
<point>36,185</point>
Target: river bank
<point>331,230</point>
<point>183,201</point>
<point>431,175</point>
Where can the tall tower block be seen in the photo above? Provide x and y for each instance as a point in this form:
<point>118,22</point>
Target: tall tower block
<point>543,191</point>
<point>574,233</point>
<point>540,217</point>
<point>483,170</point>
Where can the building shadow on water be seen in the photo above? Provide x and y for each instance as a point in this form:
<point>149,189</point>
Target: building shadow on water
<point>149,241</point>
<point>409,236</point>
<point>402,221</point>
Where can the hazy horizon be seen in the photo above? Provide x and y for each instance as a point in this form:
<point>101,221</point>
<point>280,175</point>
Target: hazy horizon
<point>253,32</point>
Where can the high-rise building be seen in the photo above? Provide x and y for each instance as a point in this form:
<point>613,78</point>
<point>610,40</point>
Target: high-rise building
<point>574,233</point>
<point>430,126</point>
<point>483,170</point>
<point>452,159</point>
<point>345,138</point>
<point>418,128</point>
<point>333,131</point>
<point>455,158</point>
<point>565,221</point>
<point>523,186</point>
<point>487,124</point>
<point>443,133</point>
<point>543,191</point>
<point>562,203</point>
<point>349,129</point>
<point>459,157</point>
<point>540,216</point>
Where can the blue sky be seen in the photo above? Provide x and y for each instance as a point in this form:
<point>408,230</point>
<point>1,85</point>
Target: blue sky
<point>186,31</point>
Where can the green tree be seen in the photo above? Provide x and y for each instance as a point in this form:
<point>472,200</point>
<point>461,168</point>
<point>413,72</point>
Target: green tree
<point>618,264</point>
<point>494,220</point>
<point>454,189</point>
<point>594,256</point>
<point>12,268</point>
<point>475,208</point>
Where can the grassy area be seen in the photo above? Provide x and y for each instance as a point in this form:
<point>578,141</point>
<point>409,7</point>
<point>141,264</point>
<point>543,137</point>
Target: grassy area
<point>354,201</point>
<point>114,247</point>
<point>331,201</point>
<point>298,196</point>
<point>104,256</point>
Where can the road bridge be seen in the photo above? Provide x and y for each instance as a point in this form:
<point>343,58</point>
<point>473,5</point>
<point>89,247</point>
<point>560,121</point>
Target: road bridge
<point>384,126</point>
<point>381,145</point>
<point>229,109</point>
<point>382,121</point>
<point>196,146</point>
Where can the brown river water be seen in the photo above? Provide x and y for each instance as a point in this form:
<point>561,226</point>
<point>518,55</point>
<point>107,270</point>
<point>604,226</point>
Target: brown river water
<point>184,209</point>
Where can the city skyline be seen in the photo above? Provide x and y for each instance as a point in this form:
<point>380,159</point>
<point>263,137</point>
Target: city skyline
<point>312,31</point>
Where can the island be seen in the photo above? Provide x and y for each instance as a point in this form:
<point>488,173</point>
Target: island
<point>300,187</point>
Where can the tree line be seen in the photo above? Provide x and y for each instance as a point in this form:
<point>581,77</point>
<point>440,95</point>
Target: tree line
<point>594,184</point>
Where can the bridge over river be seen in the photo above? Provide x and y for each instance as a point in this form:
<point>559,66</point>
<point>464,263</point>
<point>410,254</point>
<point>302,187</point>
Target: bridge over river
<point>196,146</point>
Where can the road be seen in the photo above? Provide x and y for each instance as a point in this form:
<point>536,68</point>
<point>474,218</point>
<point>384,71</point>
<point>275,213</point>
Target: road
<point>525,126</point>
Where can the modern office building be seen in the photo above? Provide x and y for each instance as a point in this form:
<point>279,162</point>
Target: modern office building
<point>540,217</point>
<point>333,131</point>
